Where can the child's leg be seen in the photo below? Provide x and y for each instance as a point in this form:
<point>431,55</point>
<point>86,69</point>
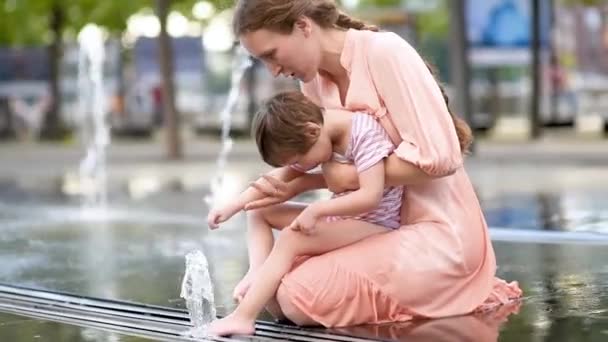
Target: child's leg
<point>260,240</point>
<point>290,245</point>
<point>259,229</point>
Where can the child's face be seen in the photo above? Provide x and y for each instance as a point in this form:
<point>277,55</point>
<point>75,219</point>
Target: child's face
<point>320,152</point>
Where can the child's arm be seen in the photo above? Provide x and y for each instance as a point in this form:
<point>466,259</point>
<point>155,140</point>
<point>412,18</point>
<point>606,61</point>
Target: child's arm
<point>276,191</point>
<point>360,201</point>
<point>226,211</point>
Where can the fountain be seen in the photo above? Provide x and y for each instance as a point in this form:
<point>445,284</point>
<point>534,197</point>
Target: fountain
<point>93,128</point>
<point>196,287</point>
<point>240,63</point>
<point>197,290</point>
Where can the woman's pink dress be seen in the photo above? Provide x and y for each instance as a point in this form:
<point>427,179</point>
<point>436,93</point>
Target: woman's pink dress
<point>441,261</point>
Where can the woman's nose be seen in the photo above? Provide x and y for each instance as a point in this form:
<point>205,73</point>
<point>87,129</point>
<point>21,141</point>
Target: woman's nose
<point>275,69</point>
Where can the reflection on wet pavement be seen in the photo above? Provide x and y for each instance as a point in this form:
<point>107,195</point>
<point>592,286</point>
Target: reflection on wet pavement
<point>479,327</point>
<point>18,328</point>
<point>567,211</point>
<point>137,254</point>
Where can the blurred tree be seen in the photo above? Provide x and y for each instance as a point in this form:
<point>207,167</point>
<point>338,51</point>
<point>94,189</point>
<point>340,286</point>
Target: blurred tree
<point>585,2</point>
<point>185,6</point>
<point>50,22</point>
<point>434,24</point>
<point>379,3</point>
<point>171,116</point>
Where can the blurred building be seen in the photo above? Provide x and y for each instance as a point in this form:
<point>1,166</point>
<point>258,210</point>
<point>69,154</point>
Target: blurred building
<point>24,91</point>
<point>143,95</point>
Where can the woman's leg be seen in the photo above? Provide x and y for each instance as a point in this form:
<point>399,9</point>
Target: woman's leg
<point>260,240</point>
<point>290,245</point>
<point>291,311</point>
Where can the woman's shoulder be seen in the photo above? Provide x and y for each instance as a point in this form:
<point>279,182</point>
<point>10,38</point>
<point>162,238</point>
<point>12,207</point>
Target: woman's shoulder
<point>386,54</point>
<point>382,44</point>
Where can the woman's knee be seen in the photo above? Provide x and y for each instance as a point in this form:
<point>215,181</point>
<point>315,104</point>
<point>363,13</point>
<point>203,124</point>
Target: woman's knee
<point>290,310</point>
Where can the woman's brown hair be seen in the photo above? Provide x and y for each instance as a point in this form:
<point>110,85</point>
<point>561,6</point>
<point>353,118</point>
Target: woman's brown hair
<point>280,16</point>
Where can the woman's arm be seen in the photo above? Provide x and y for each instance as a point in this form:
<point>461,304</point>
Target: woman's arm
<point>400,172</point>
<point>416,109</point>
<point>342,177</point>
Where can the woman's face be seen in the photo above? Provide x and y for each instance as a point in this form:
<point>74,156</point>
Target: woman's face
<point>292,55</point>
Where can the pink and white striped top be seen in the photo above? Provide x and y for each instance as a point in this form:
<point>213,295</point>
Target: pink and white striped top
<point>370,144</point>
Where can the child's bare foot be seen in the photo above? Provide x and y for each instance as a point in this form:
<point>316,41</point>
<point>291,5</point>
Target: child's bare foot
<point>243,286</point>
<point>232,325</point>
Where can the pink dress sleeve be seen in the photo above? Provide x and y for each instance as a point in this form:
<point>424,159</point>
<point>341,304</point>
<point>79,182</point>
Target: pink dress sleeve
<point>415,106</point>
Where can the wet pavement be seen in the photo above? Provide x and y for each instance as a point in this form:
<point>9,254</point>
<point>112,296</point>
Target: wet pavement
<point>19,328</point>
<point>135,252</point>
<point>138,255</point>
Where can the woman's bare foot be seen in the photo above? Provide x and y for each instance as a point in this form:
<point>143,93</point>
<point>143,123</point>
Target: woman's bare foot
<point>232,325</point>
<point>243,286</point>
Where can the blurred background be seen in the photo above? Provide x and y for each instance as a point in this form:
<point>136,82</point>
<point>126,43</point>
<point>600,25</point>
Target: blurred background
<point>544,62</point>
<point>122,122</point>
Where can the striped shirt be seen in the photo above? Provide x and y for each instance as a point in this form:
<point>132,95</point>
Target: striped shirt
<point>369,144</point>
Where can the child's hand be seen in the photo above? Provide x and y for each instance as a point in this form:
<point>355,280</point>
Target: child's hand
<point>305,222</point>
<point>219,215</point>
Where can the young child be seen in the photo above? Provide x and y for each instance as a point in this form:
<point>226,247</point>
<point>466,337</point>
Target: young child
<point>294,133</point>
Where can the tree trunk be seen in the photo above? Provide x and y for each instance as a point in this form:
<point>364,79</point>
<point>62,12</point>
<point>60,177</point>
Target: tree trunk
<point>171,118</point>
<point>53,127</point>
<point>535,46</point>
<point>460,66</point>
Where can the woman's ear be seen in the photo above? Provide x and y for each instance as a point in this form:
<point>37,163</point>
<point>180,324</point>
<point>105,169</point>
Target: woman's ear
<point>304,25</point>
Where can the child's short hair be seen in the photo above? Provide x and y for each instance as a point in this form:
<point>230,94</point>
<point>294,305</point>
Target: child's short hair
<point>280,126</point>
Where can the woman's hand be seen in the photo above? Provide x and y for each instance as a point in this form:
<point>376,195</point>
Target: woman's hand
<point>340,177</point>
<point>274,190</point>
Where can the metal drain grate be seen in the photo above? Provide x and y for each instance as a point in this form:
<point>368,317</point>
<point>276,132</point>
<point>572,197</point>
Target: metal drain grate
<point>152,322</point>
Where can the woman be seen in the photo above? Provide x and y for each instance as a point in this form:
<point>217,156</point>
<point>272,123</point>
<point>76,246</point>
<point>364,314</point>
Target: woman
<point>441,261</point>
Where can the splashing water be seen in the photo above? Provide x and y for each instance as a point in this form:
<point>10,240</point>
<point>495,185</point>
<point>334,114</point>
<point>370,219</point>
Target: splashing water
<point>240,63</point>
<point>93,129</point>
<point>197,290</point>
